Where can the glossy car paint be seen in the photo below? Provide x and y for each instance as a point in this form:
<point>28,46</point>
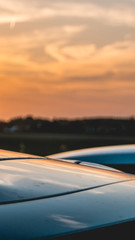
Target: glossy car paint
<point>25,179</point>
<point>42,199</point>
<point>71,213</point>
<point>114,154</point>
<point>5,155</point>
<point>119,157</point>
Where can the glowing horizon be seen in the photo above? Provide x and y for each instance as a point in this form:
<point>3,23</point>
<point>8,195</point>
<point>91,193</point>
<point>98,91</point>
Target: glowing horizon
<point>67,59</point>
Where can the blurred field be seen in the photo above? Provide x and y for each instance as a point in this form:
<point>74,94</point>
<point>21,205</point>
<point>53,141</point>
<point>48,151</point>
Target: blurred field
<point>45,144</point>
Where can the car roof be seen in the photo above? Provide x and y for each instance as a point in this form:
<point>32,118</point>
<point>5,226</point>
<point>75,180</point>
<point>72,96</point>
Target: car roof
<point>128,148</point>
<point>121,154</point>
<point>43,198</point>
<point>5,155</point>
<point>25,179</point>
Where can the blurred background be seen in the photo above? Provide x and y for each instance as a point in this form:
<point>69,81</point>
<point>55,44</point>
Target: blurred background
<point>44,137</point>
<point>67,74</point>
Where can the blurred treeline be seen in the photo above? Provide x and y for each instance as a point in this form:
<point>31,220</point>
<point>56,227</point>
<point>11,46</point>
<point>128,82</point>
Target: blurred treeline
<point>116,127</point>
<point>44,137</point>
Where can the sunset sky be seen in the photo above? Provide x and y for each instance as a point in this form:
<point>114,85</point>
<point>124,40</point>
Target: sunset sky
<point>67,59</point>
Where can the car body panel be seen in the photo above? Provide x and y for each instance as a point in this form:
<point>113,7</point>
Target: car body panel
<point>119,157</point>
<point>104,155</point>
<point>5,155</point>
<point>67,214</point>
<point>44,198</point>
<point>26,179</point>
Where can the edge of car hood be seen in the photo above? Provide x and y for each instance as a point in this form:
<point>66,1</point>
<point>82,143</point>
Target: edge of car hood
<point>29,179</point>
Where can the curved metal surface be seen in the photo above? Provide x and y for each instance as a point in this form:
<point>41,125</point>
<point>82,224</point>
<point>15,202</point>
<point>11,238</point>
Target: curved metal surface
<point>104,155</point>
<point>27,179</point>
<point>58,216</point>
<point>74,198</point>
<point>90,164</point>
<point>5,155</point>
<point>98,165</point>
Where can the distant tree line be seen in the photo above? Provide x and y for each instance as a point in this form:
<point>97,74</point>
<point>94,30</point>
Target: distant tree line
<point>97,126</point>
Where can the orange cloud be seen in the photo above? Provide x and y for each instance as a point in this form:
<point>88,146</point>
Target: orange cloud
<point>48,69</point>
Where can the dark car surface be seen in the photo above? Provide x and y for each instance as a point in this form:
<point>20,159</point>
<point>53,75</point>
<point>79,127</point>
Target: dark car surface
<point>53,199</point>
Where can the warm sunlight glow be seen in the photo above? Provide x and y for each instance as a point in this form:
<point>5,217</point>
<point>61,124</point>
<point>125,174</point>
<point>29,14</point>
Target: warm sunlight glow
<point>67,58</point>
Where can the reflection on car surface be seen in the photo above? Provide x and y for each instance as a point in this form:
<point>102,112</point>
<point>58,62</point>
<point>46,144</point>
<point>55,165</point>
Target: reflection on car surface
<point>118,157</point>
<point>53,199</point>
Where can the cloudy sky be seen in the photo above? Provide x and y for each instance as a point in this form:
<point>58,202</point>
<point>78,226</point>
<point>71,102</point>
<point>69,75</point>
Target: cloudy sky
<point>72,58</point>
